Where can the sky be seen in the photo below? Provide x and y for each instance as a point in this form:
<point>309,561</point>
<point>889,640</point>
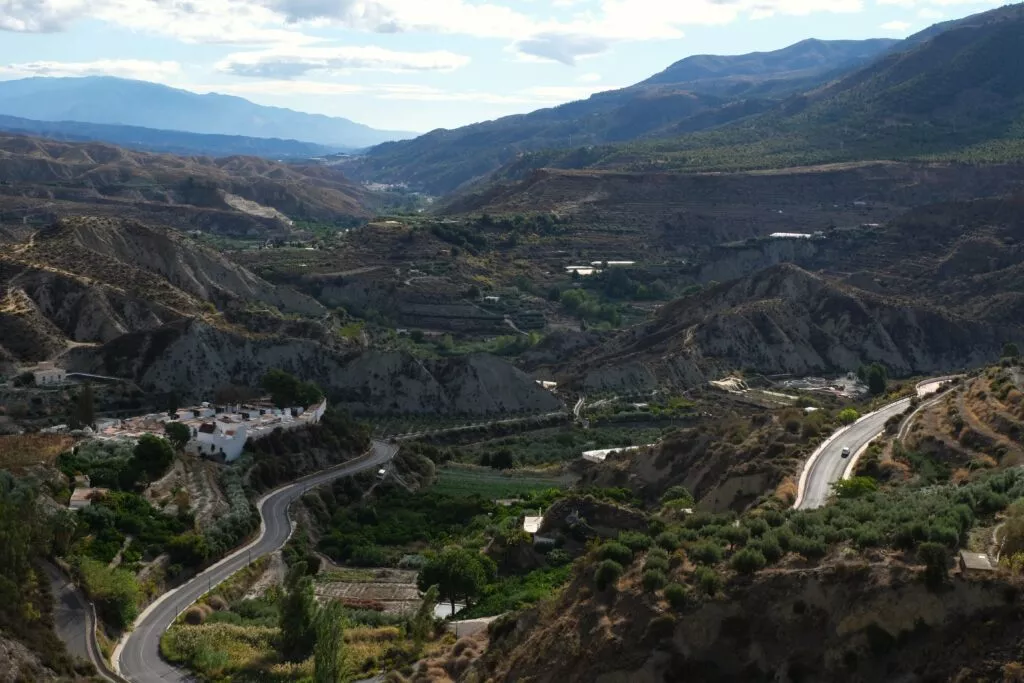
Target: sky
<point>417,65</point>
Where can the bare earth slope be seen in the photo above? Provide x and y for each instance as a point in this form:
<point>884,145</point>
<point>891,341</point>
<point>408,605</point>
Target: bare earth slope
<point>785,320</point>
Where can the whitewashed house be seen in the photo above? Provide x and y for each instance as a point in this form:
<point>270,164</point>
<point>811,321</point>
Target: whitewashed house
<point>48,374</point>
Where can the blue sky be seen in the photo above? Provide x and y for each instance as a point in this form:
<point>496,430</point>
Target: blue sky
<point>422,64</point>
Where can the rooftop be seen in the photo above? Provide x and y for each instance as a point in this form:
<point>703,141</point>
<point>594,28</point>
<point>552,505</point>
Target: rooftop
<point>979,561</point>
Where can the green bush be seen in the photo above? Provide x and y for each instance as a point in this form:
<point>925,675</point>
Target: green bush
<point>654,579</point>
<point>677,595</point>
<point>748,561</point>
<point>558,557</point>
<point>607,573</point>
<point>667,540</point>
<point>656,562</point>
<point>769,546</point>
<point>848,416</point>
<point>706,552</point>
<point>677,493</point>
<point>115,592</point>
<point>635,540</point>
<point>707,580</point>
<point>613,550</point>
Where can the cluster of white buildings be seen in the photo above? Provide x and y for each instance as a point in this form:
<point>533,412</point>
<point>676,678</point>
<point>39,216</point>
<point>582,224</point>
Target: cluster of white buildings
<point>217,431</point>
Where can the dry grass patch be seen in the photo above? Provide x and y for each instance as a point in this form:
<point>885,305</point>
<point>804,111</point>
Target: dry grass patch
<point>26,450</point>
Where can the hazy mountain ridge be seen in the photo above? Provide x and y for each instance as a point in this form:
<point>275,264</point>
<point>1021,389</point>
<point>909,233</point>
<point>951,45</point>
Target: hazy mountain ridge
<point>123,102</point>
<point>165,141</point>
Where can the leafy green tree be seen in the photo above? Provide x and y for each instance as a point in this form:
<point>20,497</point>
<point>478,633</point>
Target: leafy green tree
<point>85,408</point>
<point>1010,350</point>
<point>653,579</point>
<point>329,651</point>
<point>935,557</point>
<point>422,623</point>
<point>876,377</point>
<point>848,416</point>
<point>287,391</point>
<point>173,403</point>
<point>153,455</point>
<point>115,591</point>
<point>855,487</point>
<point>677,595</point>
<point>706,552</point>
<point>607,573</point>
<point>748,561</point>
<point>298,615</point>
<point>677,493</point>
<point>708,580</point>
<point>178,434</point>
<point>503,459</point>
<point>613,550</point>
<point>457,573</point>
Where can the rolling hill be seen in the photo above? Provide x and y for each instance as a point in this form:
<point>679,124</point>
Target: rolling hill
<point>122,102</point>
<point>37,171</point>
<point>694,94</point>
<point>165,141</point>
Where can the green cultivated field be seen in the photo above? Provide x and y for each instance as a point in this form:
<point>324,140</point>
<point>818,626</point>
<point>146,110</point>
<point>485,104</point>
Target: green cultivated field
<point>466,481</point>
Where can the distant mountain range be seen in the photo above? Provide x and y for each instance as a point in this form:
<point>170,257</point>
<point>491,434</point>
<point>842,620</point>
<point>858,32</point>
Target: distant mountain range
<point>167,141</point>
<point>121,102</point>
<point>955,90</point>
<point>697,93</point>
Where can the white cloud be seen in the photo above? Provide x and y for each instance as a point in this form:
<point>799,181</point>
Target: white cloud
<point>292,62</point>
<point>124,68</point>
<point>280,88</point>
<point>589,78</point>
<point>562,47</point>
<point>39,16</point>
<point>896,26</point>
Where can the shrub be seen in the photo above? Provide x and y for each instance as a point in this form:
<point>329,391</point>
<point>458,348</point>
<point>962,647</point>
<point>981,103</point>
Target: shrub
<point>654,579</point>
<point>677,493</point>
<point>706,552</point>
<point>667,540</point>
<point>656,562</point>
<point>217,603</point>
<point>635,540</point>
<point>661,627</point>
<point>707,580</point>
<point>934,556</point>
<point>607,573</point>
<point>558,557</point>
<point>613,550</point>
<point>848,416</point>
<point>677,595</point>
<point>812,548</point>
<point>769,546</point>
<point>748,561</point>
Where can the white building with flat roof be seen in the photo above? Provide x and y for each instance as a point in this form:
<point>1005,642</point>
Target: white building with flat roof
<point>48,374</point>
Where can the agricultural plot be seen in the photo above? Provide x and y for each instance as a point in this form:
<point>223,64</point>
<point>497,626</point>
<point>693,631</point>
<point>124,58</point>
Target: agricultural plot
<point>460,480</point>
<point>392,591</point>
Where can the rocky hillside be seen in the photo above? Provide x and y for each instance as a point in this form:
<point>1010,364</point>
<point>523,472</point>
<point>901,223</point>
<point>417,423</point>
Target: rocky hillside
<point>680,213</point>
<point>97,173</point>
<point>196,359</point>
<point>784,320</point>
<point>91,280</point>
<point>846,622</point>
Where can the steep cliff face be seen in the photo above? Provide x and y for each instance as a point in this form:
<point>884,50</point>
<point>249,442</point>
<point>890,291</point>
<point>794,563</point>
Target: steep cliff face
<point>196,359</point>
<point>785,320</point>
<point>848,622</point>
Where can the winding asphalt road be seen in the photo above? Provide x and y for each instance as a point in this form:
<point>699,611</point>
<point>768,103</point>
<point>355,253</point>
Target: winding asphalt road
<point>827,465</point>
<point>139,656</point>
